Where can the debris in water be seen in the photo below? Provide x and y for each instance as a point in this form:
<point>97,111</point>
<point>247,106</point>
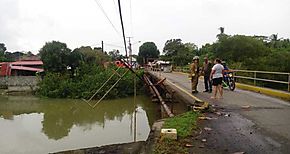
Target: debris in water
<point>203,140</point>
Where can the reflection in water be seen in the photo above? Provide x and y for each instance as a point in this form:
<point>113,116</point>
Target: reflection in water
<point>58,124</point>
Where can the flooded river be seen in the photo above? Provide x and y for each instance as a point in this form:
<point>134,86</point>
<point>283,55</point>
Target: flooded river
<point>33,125</point>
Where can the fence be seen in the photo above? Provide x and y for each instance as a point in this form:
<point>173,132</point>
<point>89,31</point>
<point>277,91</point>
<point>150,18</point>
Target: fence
<point>274,80</point>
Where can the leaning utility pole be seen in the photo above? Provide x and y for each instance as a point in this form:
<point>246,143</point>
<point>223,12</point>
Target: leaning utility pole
<point>122,24</point>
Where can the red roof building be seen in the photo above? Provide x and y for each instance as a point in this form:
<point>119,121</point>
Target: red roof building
<point>21,68</point>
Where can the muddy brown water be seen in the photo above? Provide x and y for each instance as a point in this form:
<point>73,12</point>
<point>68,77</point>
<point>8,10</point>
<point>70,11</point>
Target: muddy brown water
<point>33,125</point>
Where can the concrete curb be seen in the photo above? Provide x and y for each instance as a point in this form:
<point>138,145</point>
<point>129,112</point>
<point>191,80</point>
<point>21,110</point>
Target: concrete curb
<point>266,91</point>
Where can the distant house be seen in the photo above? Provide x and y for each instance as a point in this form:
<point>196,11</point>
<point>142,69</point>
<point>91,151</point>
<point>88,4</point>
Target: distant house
<point>133,62</point>
<point>27,66</point>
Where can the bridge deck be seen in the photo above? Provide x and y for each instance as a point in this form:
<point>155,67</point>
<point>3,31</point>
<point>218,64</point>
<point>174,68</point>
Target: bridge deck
<point>263,128</point>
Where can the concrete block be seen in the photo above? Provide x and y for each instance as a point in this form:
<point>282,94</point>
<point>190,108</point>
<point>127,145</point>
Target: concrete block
<point>168,134</point>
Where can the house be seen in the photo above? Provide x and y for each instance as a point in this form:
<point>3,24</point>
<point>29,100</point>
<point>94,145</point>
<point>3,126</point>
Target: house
<point>23,67</point>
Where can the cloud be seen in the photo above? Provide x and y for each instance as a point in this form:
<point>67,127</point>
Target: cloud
<point>8,19</point>
<point>28,24</point>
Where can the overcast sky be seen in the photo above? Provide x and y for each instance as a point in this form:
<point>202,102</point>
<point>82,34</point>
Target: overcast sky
<point>26,25</point>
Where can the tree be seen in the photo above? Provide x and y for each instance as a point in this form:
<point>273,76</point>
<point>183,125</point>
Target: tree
<point>178,53</point>
<point>55,56</point>
<point>239,47</point>
<point>115,54</point>
<point>222,29</point>
<point>13,56</point>
<point>75,60</point>
<point>2,52</point>
<point>88,55</point>
<point>192,48</point>
<point>172,47</point>
<point>147,50</point>
<point>92,56</point>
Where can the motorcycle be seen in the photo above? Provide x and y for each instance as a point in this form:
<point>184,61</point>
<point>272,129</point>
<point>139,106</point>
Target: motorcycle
<point>229,81</point>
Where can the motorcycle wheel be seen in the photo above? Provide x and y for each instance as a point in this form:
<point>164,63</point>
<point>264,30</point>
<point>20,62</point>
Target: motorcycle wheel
<point>232,85</point>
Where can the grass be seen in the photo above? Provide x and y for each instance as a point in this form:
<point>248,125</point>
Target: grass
<point>184,124</point>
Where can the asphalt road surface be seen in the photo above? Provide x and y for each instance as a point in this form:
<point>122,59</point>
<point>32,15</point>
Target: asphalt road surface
<point>263,127</point>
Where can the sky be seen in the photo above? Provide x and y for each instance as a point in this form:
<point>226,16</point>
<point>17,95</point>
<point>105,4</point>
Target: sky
<point>26,25</point>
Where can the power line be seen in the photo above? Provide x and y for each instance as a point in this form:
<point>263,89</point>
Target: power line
<point>121,18</point>
<point>102,9</point>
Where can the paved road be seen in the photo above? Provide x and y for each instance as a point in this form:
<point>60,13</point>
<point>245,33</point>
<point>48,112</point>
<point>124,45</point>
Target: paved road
<point>263,128</point>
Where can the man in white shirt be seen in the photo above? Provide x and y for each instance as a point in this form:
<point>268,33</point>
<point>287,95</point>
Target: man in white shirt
<point>217,78</point>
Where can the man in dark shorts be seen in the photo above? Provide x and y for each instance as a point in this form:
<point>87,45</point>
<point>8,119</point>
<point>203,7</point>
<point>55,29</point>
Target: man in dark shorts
<point>217,78</point>
<point>207,70</point>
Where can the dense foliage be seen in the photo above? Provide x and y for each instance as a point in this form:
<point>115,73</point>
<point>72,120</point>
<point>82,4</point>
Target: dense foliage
<point>2,52</point>
<point>80,73</point>
<point>179,53</point>
<point>250,52</point>
<point>55,56</point>
<point>239,51</point>
<point>86,82</point>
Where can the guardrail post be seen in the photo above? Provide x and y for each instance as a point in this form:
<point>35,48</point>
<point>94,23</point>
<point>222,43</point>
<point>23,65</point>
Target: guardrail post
<point>255,76</point>
<point>289,82</point>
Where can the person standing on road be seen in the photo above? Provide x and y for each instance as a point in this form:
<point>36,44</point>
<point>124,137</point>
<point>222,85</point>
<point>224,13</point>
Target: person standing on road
<point>217,78</point>
<point>206,71</point>
<point>194,73</point>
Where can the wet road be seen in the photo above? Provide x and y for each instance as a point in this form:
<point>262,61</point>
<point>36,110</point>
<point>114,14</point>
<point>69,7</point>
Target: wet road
<point>262,128</point>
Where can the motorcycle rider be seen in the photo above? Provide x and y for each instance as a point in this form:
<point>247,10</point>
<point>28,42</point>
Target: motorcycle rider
<point>228,77</point>
<point>226,69</point>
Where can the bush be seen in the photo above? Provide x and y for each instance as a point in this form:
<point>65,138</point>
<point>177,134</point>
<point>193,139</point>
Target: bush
<point>86,82</point>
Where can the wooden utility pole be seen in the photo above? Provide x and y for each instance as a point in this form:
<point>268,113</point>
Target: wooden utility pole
<point>130,51</point>
<point>103,46</point>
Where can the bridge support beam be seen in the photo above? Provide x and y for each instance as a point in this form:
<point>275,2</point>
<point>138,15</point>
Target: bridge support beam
<point>166,108</point>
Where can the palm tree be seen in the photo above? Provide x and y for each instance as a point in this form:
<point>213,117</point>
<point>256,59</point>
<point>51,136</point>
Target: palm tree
<point>222,33</point>
<point>222,29</point>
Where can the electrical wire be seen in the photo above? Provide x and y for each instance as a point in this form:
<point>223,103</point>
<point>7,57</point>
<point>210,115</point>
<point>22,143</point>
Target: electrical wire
<point>102,9</point>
